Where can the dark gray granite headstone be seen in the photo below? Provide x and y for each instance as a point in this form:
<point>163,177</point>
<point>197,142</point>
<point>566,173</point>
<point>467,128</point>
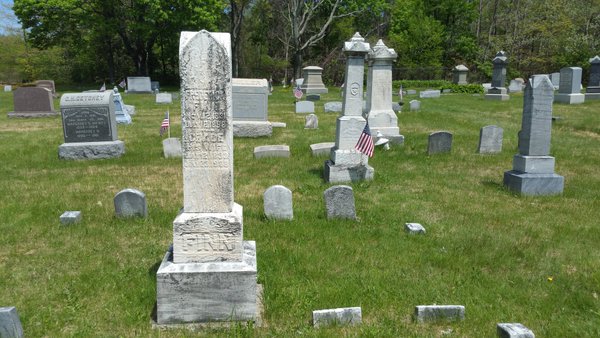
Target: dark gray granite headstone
<point>88,117</point>
<point>537,117</point>
<point>32,102</point>
<point>594,72</point>
<point>130,203</point>
<point>439,142</point>
<point>10,324</point>
<point>499,73</point>
<point>278,203</point>
<point>490,140</point>
<point>339,202</point>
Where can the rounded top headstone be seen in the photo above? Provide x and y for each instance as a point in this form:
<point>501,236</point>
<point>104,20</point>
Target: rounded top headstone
<point>356,45</point>
<point>130,203</point>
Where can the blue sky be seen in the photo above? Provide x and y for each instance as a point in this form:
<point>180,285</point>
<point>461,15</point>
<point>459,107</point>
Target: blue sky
<point>7,17</point>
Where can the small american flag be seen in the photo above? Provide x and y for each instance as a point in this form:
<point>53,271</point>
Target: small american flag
<point>122,84</point>
<point>298,93</point>
<point>365,142</point>
<point>164,126</point>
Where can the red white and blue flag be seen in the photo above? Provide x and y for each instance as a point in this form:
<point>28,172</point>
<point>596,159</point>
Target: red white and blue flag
<point>164,126</point>
<point>365,142</point>
<point>298,93</point>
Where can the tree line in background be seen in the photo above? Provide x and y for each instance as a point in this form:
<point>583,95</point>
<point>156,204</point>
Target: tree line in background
<point>96,41</point>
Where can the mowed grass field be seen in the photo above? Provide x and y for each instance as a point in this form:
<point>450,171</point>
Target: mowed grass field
<point>506,258</point>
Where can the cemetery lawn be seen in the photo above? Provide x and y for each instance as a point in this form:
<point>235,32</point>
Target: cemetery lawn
<point>504,257</point>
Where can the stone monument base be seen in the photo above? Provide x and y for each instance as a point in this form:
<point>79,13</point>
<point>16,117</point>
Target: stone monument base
<point>569,98</point>
<point>252,128</point>
<point>588,96</point>
<point>497,94</point>
<point>207,292</point>
<point>534,184</point>
<point>31,114</point>
<point>343,173</point>
<point>91,150</point>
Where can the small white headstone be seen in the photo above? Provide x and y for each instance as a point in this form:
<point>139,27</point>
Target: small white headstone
<point>272,151</point>
<point>278,203</point>
<point>341,316</point>
<point>321,149</point>
<point>130,203</point>
<point>303,107</point>
<point>415,105</point>
<point>514,330</point>
<point>166,98</point>
<point>7,88</point>
<point>430,93</point>
<point>70,217</point>
<point>414,228</point>
<point>428,313</point>
<point>312,122</point>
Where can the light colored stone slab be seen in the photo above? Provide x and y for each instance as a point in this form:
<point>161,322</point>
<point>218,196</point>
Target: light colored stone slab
<point>322,149</point>
<point>431,313</point>
<point>7,88</point>
<point>70,217</point>
<point>411,92</point>
<point>490,140</point>
<point>348,316</point>
<point>313,83</point>
<point>278,203</point>
<point>278,124</point>
<point>272,151</point>
<point>139,84</point>
<point>311,122</point>
<point>333,107</point>
<point>207,292</point>
<point>130,203</point>
<point>250,99</point>
<point>164,98</point>
<point>514,330</point>
<point>10,323</point>
<point>303,107</point>
<point>430,93</point>
<point>339,202</point>
<point>534,164</point>
<point>171,147</point>
<point>252,128</point>
<point>414,228</point>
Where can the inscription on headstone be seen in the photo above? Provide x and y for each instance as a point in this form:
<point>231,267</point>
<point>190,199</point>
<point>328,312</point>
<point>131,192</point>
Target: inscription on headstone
<point>88,117</point>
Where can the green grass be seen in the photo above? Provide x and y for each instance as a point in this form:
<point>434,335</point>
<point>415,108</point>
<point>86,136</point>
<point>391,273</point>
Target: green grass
<point>485,247</point>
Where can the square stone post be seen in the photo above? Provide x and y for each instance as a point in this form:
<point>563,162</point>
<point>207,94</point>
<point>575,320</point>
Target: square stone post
<point>346,163</point>
<point>460,75</point>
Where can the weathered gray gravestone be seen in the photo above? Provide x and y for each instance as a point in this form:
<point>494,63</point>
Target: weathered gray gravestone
<point>346,163</point>
<point>498,91</point>
<point>514,330</point>
<point>278,203</point>
<point>569,87</point>
<point>429,313</point>
<point>415,105</point>
<point>490,140</point>
<point>277,150</point>
<point>303,107</point>
<point>414,228</point>
<point>322,149</point>
<point>349,316</point>
<point>381,115</point>
<point>164,98</point>
<point>48,84</point>
<point>10,324</point>
<point>70,217</point>
<point>32,102</point>
<point>210,274</point>
<point>439,142</point>
<point>250,105</point>
<point>339,202</point>
<point>131,203</point>
<point>139,84</point>
<point>515,86</point>
<point>430,93</point>
<point>555,79</point>
<point>592,92</point>
<point>89,127</point>
<point>460,75</point>
<point>313,83</point>
<point>533,168</point>
<point>333,107</point>
<point>311,122</point>
<point>171,147</point>
<point>121,112</point>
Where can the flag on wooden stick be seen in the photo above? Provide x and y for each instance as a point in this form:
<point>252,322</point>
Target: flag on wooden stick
<point>365,142</point>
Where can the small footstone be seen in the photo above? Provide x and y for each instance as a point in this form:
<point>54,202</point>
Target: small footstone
<point>171,147</point>
<point>348,316</point>
<point>272,151</point>
<point>514,330</point>
<point>130,203</point>
<point>10,324</point>
<point>278,124</point>
<point>414,228</point>
<point>430,313</point>
<point>339,202</point>
<point>322,149</point>
<point>70,217</point>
